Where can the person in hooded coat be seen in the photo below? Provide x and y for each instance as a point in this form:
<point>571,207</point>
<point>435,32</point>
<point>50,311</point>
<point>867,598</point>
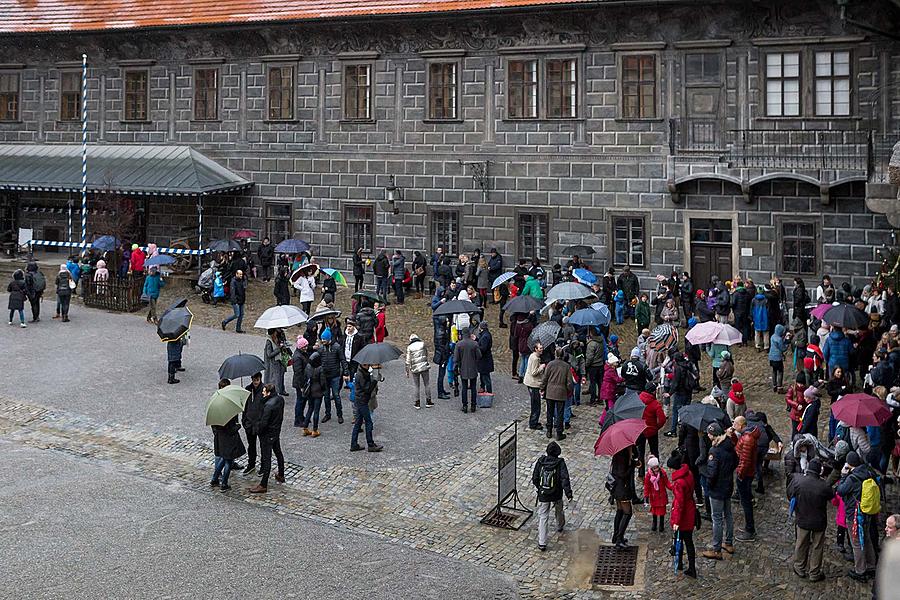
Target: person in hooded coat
<point>684,512</point>
<point>760,312</point>
<point>550,478</point>
<point>17,295</point>
<point>837,350</point>
<point>35,284</point>
<point>778,347</point>
<point>63,293</point>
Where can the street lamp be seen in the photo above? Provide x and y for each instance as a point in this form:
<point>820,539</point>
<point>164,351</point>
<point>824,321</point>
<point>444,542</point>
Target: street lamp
<point>393,194</point>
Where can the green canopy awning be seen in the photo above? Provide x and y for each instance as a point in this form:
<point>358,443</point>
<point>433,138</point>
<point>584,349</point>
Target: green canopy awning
<point>153,170</point>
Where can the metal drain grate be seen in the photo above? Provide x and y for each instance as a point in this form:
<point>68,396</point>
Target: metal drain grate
<point>615,567</point>
<point>499,519</point>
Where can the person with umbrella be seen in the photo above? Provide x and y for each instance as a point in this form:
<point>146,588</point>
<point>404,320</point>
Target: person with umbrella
<point>174,351</point>
<point>683,383</point>
<point>272,358</point>
<point>305,283</point>
<point>227,444</point>
<point>238,293</point>
<point>152,286</point>
<point>365,386</point>
<point>556,386</point>
<point>550,477</point>
<point>624,462</point>
<point>270,421</point>
<point>266,253</point>
<point>466,356</point>
<point>250,418</point>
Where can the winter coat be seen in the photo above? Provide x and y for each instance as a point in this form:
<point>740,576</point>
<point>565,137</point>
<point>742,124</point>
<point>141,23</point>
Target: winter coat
<point>809,422</point>
<point>307,287</point>
<point>366,322</point>
<point>495,266</point>
<point>398,267</point>
<point>746,450</point>
<point>668,314</point>
<point>238,290</point>
<point>417,357</point>
<point>152,285</point>
<point>380,326</point>
<point>252,409</point>
<point>812,496</point>
<point>658,496</point>
<point>16,289</point>
<point>740,302</point>
<point>482,279</point>
<point>850,488</point>
<point>720,467</point>
<point>702,311</point>
<point>315,375</point>
<point>137,260</point>
<point>282,290</point>
<point>629,285</point>
<point>683,509</point>
<point>726,371</point>
<point>62,284</point>
<point>485,344</point>
<point>715,354</point>
<point>760,312</point>
<point>523,330</point>
<point>611,381</point>
<point>382,265</point>
<point>359,267</point>
<point>532,288</point>
<point>859,442</point>
<point>654,416</point>
<point>635,375</point>
<point>299,360</point>
<point>275,369</point>
<point>441,344</point>
<point>564,486</point>
<point>272,417</point>
<point>534,371</point>
<point>333,363</point>
<point>266,254</point>
<point>723,304</point>
<point>795,400</point>
<point>465,357</point>
<point>557,383</point>
<point>837,350</point>
<point>227,441</point>
<point>642,315</point>
<point>777,344</point>
<point>594,354</point>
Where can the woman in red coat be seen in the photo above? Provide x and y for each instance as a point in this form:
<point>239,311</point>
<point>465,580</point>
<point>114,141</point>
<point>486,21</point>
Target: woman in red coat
<point>611,380</point>
<point>656,482</point>
<point>683,509</point>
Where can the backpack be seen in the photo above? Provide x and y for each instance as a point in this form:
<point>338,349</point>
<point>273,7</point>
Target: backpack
<point>39,282</point>
<point>548,479</point>
<point>870,498</point>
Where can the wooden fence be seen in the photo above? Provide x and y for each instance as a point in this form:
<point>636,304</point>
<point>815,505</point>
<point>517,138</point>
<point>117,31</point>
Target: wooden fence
<point>120,295</point>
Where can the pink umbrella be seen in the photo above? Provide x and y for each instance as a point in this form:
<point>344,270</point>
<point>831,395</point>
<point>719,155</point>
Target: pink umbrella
<point>861,410</point>
<point>618,436</point>
<point>819,311</point>
<point>713,332</point>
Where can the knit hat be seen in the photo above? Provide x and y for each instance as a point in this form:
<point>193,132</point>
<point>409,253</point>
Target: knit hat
<point>612,359</point>
<point>635,352</point>
<point>675,459</point>
<point>691,322</point>
<point>715,429</point>
<point>302,342</point>
<point>134,246</point>
<point>553,449</point>
<point>726,355</point>
<point>853,459</point>
<point>63,269</point>
<point>699,293</point>
<point>652,462</point>
<point>736,394</point>
<point>811,392</point>
<point>413,337</point>
<point>814,467</point>
<point>613,338</point>
<point>841,449</point>
<point>326,335</point>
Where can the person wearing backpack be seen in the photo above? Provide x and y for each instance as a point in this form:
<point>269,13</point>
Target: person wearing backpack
<point>862,498</point>
<point>551,479</point>
<point>811,496</point>
<point>35,284</point>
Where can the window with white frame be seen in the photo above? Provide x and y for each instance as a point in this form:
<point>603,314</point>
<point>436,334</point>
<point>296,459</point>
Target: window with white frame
<point>832,83</point>
<point>629,241</point>
<point>442,86</point>
<point>522,101</point>
<point>562,88</point>
<point>783,84</point>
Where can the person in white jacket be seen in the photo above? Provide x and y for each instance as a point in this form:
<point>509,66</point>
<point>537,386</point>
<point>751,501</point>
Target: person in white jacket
<point>418,367</point>
<point>306,284</point>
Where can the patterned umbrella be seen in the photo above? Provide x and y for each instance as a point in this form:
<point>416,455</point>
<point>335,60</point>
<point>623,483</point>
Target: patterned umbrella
<point>545,333</point>
<point>292,246</point>
<point>337,275</point>
<point>503,279</point>
<point>663,337</point>
<point>569,290</point>
<point>307,270</point>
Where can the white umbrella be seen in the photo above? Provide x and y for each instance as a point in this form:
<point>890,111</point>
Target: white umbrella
<point>279,317</point>
<point>569,290</point>
<point>713,332</point>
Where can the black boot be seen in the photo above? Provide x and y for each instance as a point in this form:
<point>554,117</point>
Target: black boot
<point>662,523</point>
<point>616,522</point>
<point>172,378</point>
<point>623,527</point>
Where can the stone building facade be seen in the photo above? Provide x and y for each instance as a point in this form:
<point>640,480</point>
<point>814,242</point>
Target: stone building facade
<point>741,142</point>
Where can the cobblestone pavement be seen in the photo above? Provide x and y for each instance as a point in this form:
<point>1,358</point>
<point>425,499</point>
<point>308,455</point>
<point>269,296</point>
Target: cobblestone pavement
<point>429,494</point>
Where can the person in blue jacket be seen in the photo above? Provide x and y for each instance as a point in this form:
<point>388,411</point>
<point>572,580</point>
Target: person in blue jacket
<point>777,347</point>
<point>153,283</point>
<point>620,306</point>
<point>759,311</point>
<point>836,350</point>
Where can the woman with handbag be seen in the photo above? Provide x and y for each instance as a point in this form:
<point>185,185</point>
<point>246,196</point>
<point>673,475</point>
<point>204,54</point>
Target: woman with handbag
<point>65,285</point>
<point>622,469</point>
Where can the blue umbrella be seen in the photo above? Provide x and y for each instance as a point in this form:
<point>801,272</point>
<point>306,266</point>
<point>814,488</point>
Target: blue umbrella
<point>292,246</point>
<point>503,279</point>
<point>159,260</point>
<point>604,310</point>
<point>589,317</point>
<point>106,243</point>
<point>585,276</point>
<point>677,551</point>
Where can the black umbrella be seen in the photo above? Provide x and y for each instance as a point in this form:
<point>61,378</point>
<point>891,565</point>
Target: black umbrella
<point>174,324</point>
<point>523,305</point>
<point>455,307</point>
<point>377,354</point>
<point>847,316</point>
<point>545,333</point>
<point>627,406</point>
<point>578,250</point>
<point>241,365</point>
<point>223,246</point>
<point>180,303</point>
<point>369,295</point>
<point>699,416</point>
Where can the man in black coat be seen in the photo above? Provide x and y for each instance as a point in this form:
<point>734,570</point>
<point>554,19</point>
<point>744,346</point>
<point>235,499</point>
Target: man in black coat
<point>365,385</point>
<point>250,419</point>
<point>266,254</point>
<point>238,292</point>
<point>720,466</point>
<point>382,270</point>
<point>811,497</point>
<point>270,438</point>
<point>550,477</point>
<point>465,358</point>
<point>486,362</point>
<point>495,265</point>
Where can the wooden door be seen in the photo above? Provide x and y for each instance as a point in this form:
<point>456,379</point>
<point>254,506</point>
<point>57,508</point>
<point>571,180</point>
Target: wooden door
<point>708,260</point>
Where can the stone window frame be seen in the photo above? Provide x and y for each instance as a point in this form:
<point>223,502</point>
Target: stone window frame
<point>267,219</point>
<point>433,243</point>
<point>541,55</point>
<point>130,70</point>
<point>218,91</point>
<point>281,64</point>
<point>16,73</point>
<point>444,59</point>
<point>352,59</point>
<point>621,55</point>
<point>611,231</point>
<point>62,73</point>
<point>778,220</point>
<point>519,240</point>
<point>372,225</point>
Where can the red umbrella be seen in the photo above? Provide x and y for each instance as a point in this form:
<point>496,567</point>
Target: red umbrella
<point>619,436</point>
<point>243,234</point>
<point>861,410</point>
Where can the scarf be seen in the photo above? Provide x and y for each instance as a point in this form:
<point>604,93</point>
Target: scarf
<point>654,479</point>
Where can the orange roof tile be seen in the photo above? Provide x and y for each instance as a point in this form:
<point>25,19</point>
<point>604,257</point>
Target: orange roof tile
<point>45,16</point>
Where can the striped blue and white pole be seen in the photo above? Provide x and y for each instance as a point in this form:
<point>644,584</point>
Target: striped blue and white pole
<point>200,220</point>
<point>83,153</point>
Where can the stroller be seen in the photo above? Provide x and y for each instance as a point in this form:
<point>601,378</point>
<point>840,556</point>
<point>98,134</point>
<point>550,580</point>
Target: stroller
<point>205,284</point>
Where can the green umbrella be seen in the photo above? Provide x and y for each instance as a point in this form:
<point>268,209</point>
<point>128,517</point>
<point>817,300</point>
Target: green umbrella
<point>225,404</point>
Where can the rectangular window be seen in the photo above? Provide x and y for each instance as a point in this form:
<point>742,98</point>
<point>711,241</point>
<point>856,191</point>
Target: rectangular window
<point>69,96</point>
<point>442,87</point>
<point>281,93</point>
<point>702,67</point>
<point>357,92</point>
<point>9,96</point>
<point>522,102</point>
<point>833,84</point>
<point>629,242</point>
<point>136,95</point>
<point>444,230</point>
<point>783,84</point>
<point>562,89</point>
<point>798,248</point>
<point>359,227</point>
<point>639,86</point>
<point>534,236</point>
<point>279,221</point>
<point>206,94</point>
